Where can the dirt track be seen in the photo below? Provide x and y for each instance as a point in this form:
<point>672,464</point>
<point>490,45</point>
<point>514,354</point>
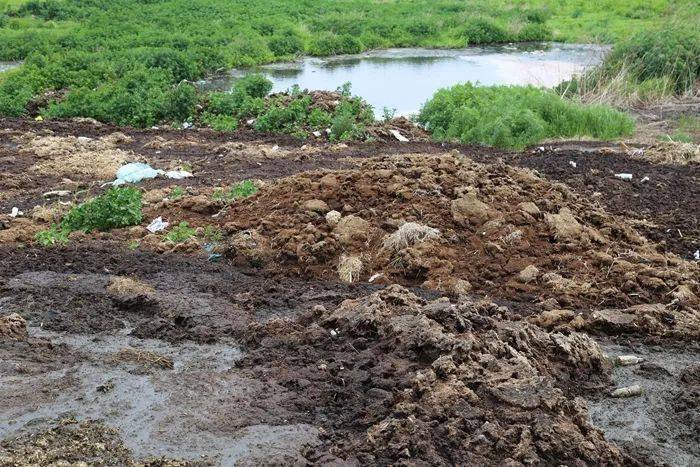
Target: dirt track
<point>474,343</point>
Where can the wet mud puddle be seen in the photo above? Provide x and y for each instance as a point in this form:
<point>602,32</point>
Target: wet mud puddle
<point>662,425</point>
<point>163,399</point>
<point>403,79</point>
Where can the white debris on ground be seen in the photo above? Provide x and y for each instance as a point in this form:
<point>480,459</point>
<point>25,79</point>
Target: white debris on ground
<point>157,225</point>
<point>396,134</point>
<point>624,176</point>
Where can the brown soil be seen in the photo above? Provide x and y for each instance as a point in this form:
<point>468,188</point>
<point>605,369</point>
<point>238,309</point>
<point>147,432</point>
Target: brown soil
<point>473,343</point>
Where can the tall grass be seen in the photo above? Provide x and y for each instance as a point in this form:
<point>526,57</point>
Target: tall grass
<point>515,117</point>
<point>647,67</point>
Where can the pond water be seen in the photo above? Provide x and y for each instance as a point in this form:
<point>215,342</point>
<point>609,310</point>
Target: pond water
<point>4,66</point>
<point>403,79</point>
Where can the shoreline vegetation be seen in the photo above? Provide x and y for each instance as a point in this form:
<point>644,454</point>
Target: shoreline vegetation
<point>134,63</point>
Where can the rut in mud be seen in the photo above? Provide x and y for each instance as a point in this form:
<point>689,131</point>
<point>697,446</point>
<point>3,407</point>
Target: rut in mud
<point>373,303</point>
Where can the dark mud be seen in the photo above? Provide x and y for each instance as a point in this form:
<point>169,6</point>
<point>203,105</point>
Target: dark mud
<point>153,355</point>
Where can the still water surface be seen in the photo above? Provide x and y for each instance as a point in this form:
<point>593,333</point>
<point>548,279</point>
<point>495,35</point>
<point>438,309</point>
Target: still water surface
<point>403,79</point>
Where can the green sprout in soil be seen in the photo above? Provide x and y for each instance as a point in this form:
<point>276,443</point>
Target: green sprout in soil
<point>212,234</point>
<point>177,193</point>
<point>241,190</point>
<point>180,233</point>
<point>52,236</point>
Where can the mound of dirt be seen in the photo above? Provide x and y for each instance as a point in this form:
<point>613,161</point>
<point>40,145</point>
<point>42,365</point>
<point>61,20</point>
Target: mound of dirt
<point>395,379</point>
<point>502,230</point>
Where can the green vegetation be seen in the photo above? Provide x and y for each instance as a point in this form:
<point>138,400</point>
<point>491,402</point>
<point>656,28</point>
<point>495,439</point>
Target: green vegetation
<point>177,193</point>
<point>212,234</point>
<point>514,117</point>
<point>115,208</point>
<point>180,233</point>
<point>54,235</point>
<point>240,190</point>
<point>648,66</point>
<point>132,62</point>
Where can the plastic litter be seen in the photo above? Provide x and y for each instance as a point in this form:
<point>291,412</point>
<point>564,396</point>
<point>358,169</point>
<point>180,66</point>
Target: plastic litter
<point>178,174</point>
<point>696,255</point>
<point>627,360</point>
<point>629,391</point>
<point>157,225</point>
<point>16,212</point>
<point>572,164</point>
<point>57,193</point>
<point>396,134</point>
<point>623,176</point>
<point>135,172</point>
<point>645,179</point>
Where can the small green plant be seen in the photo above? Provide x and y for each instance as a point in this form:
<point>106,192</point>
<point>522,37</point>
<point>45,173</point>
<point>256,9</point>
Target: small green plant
<point>677,137</point>
<point>243,189</point>
<point>240,190</point>
<point>388,114</point>
<point>133,244</point>
<point>54,235</point>
<point>177,193</point>
<point>180,233</point>
<point>212,234</point>
<point>115,208</point>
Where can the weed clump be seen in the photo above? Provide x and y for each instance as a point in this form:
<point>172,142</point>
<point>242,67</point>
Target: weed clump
<point>240,190</point>
<point>115,208</point>
<point>515,116</point>
<point>180,233</point>
<point>648,66</point>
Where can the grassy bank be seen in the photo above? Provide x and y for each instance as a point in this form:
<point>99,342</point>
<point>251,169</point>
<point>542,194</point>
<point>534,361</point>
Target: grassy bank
<point>515,117</point>
<point>131,62</point>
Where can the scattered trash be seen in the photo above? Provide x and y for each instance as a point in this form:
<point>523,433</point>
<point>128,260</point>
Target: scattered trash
<point>572,164</point>
<point>250,121</point>
<point>627,360</point>
<point>375,277</point>
<point>317,134</point>
<point>16,212</point>
<point>540,149</point>
<point>696,255</point>
<point>157,225</point>
<point>396,134</point>
<point>39,118</point>
<point>56,193</point>
<point>629,391</point>
<point>178,174</point>
<point>637,152</point>
<point>135,172</point>
<point>334,332</point>
<point>187,125</point>
<point>624,176</point>
<point>645,179</point>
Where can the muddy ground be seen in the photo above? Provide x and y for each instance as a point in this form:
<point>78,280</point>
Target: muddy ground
<point>377,303</point>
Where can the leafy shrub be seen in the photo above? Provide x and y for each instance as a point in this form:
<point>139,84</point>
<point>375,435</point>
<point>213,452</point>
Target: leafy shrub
<point>537,15</point>
<point>115,208</point>
<point>532,32</point>
<point>180,233</point>
<point>253,85</point>
<point>286,44</point>
<point>484,31</point>
<point>177,193</point>
<point>514,117</point>
<point>220,122</point>
<point>332,44</point>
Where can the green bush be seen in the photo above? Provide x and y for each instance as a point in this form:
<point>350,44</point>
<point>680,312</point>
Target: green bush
<point>253,85</point>
<point>484,31</point>
<point>54,235</point>
<point>332,44</point>
<point>286,44</point>
<point>515,117</point>
<point>220,122</point>
<point>241,190</point>
<point>115,208</point>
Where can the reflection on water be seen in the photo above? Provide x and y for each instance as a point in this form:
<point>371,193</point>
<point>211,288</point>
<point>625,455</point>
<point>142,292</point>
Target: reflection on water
<point>4,66</point>
<point>403,79</point>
